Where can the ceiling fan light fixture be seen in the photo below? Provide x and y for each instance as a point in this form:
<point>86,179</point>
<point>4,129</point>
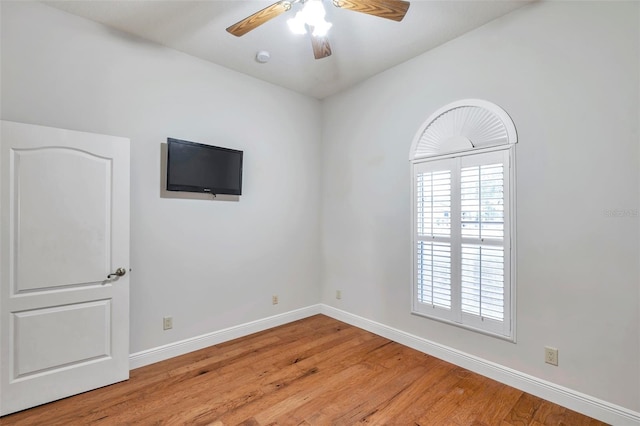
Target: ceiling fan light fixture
<point>297,25</point>
<point>311,16</point>
<point>321,28</point>
<point>314,11</point>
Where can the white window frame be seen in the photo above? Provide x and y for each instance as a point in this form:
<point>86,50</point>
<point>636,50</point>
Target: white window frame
<point>461,130</point>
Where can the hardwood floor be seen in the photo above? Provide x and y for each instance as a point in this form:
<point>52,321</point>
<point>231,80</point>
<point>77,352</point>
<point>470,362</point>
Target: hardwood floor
<point>316,371</point>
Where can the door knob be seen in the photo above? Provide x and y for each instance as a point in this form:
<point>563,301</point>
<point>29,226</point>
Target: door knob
<point>119,272</point>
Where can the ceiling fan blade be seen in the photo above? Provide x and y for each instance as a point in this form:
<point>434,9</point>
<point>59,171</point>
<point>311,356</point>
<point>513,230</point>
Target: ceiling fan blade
<point>389,9</point>
<point>247,24</point>
<point>321,47</point>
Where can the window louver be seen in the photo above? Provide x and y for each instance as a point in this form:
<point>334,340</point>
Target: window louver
<point>434,203</point>
<point>434,276</point>
<point>482,277</point>
<point>482,201</point>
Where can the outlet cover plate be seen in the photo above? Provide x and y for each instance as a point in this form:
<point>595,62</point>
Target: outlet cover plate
<point>167,323</point>
<point>551,355</point>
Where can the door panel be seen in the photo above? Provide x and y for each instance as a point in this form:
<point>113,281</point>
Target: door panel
<point>70,217</point>
<point>42,345</point>
<point>64,204</point>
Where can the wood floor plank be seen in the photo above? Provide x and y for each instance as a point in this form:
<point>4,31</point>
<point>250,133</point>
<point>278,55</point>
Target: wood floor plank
<point>342,399</point>
<point>316,371</point>
<point>416,394</point>
<point>550,414</point>
<point>430,395</point>
<point>497,407</point>
<point>523,410</point>
<point>262,380</point>
<point>489,406</point>
<point>320,367</point>
<point>389,384</point>
<point>294,401</point>
<point>444,409</point>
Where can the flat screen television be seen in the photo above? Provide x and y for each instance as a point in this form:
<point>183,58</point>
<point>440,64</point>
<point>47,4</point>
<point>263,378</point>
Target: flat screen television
<point>195,167</point>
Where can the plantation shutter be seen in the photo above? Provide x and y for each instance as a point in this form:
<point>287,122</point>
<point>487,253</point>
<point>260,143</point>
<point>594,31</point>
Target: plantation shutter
<point>433,192</point>
<point>482,231</point>
<point>462,241</point>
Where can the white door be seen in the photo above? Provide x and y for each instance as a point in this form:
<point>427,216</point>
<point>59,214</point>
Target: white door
<point>64,205</point>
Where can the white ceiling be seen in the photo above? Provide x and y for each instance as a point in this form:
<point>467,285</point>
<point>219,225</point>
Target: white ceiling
<point>362,45</point>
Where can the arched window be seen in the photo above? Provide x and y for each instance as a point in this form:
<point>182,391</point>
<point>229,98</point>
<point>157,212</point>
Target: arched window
<point>463,168</point>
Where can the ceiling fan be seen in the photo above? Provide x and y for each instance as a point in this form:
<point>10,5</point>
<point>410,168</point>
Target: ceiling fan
<point>311,18</point>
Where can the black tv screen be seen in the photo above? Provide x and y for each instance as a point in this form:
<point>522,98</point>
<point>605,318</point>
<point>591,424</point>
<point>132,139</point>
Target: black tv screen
<point>195,167</point>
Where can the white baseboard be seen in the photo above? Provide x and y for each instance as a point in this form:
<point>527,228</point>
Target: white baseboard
<point>585,404</point>
<point>160,353</point>
<point>588,405</point>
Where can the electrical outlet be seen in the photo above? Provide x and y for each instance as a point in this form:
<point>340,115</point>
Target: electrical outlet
<point>274,299</point>
<point>167,323</point>
<point>338,294</point>
<point>551,355</point>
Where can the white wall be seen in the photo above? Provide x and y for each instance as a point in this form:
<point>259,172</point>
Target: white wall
<point>209,264</point>
<point>567,73</point>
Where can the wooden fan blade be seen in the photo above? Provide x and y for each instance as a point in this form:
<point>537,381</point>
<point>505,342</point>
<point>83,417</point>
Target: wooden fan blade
<point>389,9</point>
<point>321,47</point>
<point>247,24</point>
